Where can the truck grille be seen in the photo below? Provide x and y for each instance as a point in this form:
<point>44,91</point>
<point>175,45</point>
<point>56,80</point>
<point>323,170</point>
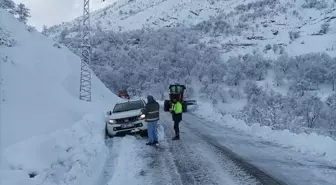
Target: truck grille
<point>127,120</point>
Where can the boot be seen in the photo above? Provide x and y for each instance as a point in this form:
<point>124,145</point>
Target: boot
<point>150,143</point>
<point>177,137</point>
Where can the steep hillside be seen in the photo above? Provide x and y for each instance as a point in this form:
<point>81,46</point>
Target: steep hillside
<point>267,61</point>
<point>41,117</point>
<point>126,15</point>
<point>234,26</point>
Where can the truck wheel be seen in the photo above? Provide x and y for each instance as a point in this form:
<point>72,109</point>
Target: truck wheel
<point>184,107</point>
<point>107,135</point>
<point>166,105</point>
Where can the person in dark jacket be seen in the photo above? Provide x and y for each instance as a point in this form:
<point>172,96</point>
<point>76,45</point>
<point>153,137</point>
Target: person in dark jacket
<point>152,116</point>
<point>176,111</point>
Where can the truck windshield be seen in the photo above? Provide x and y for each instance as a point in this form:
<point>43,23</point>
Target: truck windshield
<point>176,89</point>
<point>127,106</point>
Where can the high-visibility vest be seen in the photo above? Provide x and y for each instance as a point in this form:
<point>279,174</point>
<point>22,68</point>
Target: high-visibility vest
<point>177,107</point>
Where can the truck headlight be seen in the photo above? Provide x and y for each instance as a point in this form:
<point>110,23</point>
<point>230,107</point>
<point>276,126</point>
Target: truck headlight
<point>142,116</point>
<point>112,121</point>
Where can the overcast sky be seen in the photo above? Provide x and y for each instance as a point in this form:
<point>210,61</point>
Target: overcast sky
<point>51,12</point>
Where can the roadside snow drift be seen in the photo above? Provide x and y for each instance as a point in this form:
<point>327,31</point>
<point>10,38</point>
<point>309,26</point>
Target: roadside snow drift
<point>48,136</point>
<point>305,143</point>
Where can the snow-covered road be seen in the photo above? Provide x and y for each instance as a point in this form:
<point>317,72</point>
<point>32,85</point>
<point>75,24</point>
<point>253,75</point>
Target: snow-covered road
<point>285,163</point>
<point>198,158</point>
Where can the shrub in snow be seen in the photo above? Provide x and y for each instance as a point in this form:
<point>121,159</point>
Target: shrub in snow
<point>294,35</point>
<point>31,29</point>
<point>300,86</point>
<point>317,4</point>
<point>311,109</point>
<point>257,5</point>
<point>235,93</point>
<point>267,47</point>
<point>251,89</point>
<point>214,92</point>
<point>331,101</point>
<point>5,39</point>
<point>240,27</point>
<point>283,63</point>
<point>252,16</point>
<point>324,28</point>
<point>275,32</point>
<point>282,50</point>
<point>297,114</point>
<point>265,109</point>
<point>295,13</point>
<point>275,48</point>
<point>56,45</point>
<point>219,25</point>
<point>256,66</point>
<point>279,77</point>
<point>234,75</point>
<point>306,71</point>
<point>44,30</point>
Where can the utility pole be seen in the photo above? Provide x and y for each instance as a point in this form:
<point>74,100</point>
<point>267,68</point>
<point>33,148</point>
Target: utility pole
<point>85,76</point>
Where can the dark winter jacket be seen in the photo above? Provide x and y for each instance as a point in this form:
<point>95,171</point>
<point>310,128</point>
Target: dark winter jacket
<point>152,110</point>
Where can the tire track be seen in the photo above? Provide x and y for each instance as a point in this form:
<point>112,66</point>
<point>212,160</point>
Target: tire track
<point>110,162</point>
<point>250,169</point>
<point>199,164</point>
<point>130,161</point>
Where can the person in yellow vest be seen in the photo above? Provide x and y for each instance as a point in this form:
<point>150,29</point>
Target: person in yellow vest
<point>176,111</point>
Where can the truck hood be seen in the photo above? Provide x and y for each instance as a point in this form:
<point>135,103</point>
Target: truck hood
<point>125,114</point>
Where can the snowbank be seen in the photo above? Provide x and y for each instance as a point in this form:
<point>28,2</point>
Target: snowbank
<point>305,143</point>
<point>70,156</point>
<point>40,86</point>
<point>48,136</point>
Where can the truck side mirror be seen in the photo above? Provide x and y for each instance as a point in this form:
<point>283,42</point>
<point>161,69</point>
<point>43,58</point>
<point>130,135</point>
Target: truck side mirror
<point>109,113</point>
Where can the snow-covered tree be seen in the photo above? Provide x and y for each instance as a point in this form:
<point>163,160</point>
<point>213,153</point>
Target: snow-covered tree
<point>331,101</point>
<point>146,61</point>
<point>331,75</point>
<point>317,4</point>
<point>44,30</point>
<point>235,71</point>
<point>23,12</point>
<point>251,89</point>
<point>310,107</point>
<point>8,5</point>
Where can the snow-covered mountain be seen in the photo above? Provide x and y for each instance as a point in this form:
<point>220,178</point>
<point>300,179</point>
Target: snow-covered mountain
<point>263,25</point>
<point>245,58</point>
<point>125,15</point>
<point>42,118</point>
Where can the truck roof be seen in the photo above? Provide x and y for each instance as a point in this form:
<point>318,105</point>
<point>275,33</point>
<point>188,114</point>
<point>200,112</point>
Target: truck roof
<point>130,100</point>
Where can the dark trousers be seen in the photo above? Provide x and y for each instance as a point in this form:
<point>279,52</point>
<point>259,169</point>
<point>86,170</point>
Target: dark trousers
<point>177,128</point>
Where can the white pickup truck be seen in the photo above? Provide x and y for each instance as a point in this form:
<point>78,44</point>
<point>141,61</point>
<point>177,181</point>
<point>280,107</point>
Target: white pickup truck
<point>126,117</point>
